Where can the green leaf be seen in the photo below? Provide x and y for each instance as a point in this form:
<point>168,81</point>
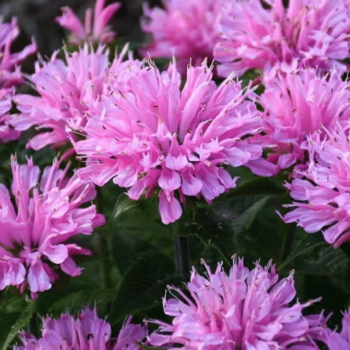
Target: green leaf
<point>21,321</point>
<point>323,260</point>
<point>136,228</point>
<point>219,226</point>
<point>75,302</point>
<point>308,243</point>
<point>259,186</point>
<point>142,286</point>
<point>244,221</point>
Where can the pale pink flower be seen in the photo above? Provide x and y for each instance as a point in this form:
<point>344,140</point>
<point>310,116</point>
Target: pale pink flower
<point>87,332</point>
<point>96,28</point>
<point>66,90</point>
<point>10,74</point>
<point>34,231</point>
<point>315,32</point>
<point>184,28</point>
<point>244,310</point>
<point>154,135</point>
<point>322,197</point>
<point>297,105</point>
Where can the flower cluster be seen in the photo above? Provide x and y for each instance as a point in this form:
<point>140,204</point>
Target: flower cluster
<point>322,197</point>
<point>33,234</point>
<point>10,75</point>
<point>66,91</point>
<point>187,29</point>
<point>259,35</point>
<point>95,30</point>
<point>243,310</point>
<point>297,105</point>
<point>87,332</point>
<point>154,135</point>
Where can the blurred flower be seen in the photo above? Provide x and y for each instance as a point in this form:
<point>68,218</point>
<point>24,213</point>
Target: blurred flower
<point>34,232</point>
<point>151,135</point>
<point>6,131</point>
<point>322,199</point>
<point>340,341</point>
<point>10,74</point>
<point>257,35</point>
<point>95,30</point>
<point>87,332</point>
<point>297,105</point>
<point>243,310</point>
<point>185,28</point>
<point>66,91</point>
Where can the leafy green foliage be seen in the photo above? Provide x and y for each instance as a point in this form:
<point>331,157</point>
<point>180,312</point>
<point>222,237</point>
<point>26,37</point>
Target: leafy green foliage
<point>142,286</point>
<point>15,314</point>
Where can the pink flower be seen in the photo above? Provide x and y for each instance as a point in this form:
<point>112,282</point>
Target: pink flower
<point>185,28</point>
<point>244,310</point>
<point>296,106</point>
<point>340,341</point>
<point>129,336</point>
<point>95,30</point>
<point>322,197</point>
<point>152,135</point>
<point>87,332</point>
<point>10,74</point>
<point>315,32</point>
<point>33,233</point>
<point>6,131</point>
<point>65,92</point>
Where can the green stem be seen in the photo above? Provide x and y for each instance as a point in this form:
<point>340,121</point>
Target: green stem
<point>103,246</point>
<point>288,241</point>
<point>34,326</point>
<point>104,253</point>
<point>182,258</point>
<point>181,229</point>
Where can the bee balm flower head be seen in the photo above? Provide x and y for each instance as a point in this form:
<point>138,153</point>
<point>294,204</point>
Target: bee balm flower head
<point>35,230</point>
<point>243,310</point>
<point>87,332</point>
<point>322,197</point>
<point>155,135</point>
<point>297,105</point>
<point>315,33</point>
<point>186,28</point>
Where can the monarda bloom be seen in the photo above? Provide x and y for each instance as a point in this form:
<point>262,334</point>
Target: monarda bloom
<point>155,135</point>
<point>10,74</point>
<point>245,310</point>
<point>256,35</point>
<point>322,191</point>
<point>65,92</point>
<point>184,28</point>
<point>34,230</point>
<point>87,332</point>
<point>297,105</point>
<point>95,29</point>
